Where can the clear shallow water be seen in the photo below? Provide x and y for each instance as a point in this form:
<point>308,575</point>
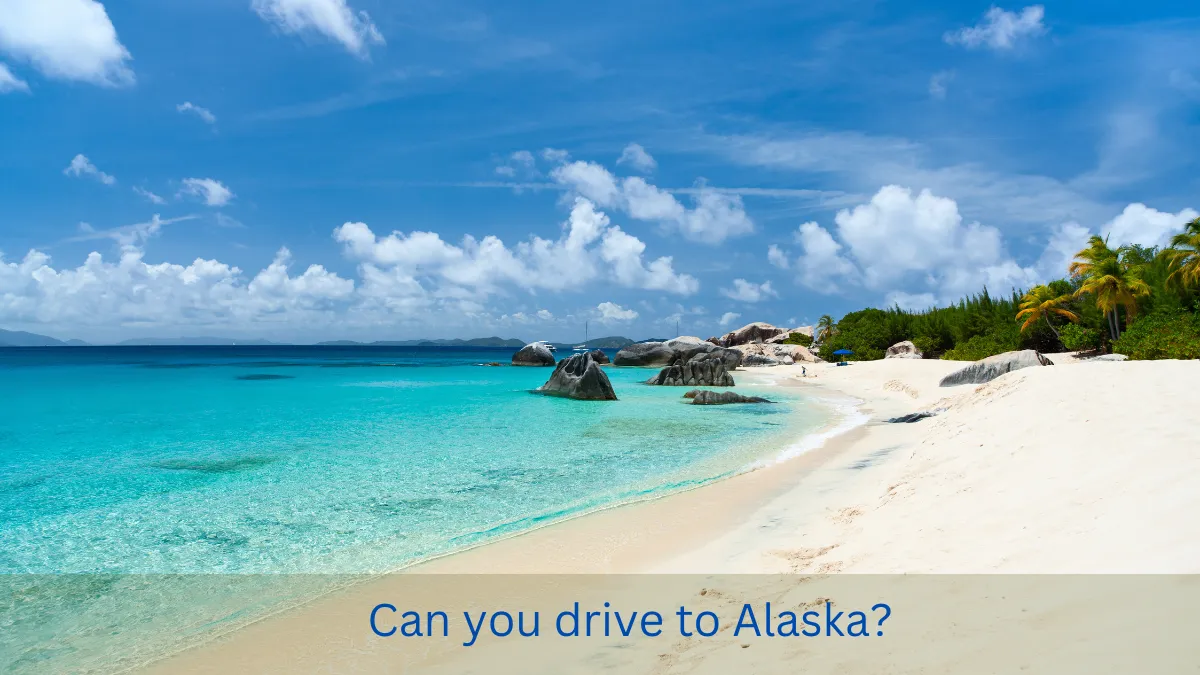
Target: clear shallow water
<point>329,460</point>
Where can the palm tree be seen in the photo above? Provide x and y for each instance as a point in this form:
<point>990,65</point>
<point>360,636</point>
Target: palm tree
<point>825,328</point>
<point>1039,304</point>
<point>1184,255</point>
<point>1108,275</point>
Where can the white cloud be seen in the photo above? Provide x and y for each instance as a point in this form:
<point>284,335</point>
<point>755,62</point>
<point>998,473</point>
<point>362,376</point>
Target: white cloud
<point>1000,29</point>
<point>82,166</point>
<point>545,315</point>
<point>203,113</point>
<point>213,192</point>
<point>777,257</point>
<point>746,291</point>
<point>524,158</point>
<point>331,18</point>
<point>938,83</point>
<point>506,171</point>
<point>612,312</point>
<point>728,318</point>
<point>589,248</point>
<point>910,301</point>
<point>1144,226</point>
<point>715,216</point>
<point>636,156</point>
<point>821,265</point>
<point>555,155</point>
<point>66,40</point>
<point>10,83</point>
<point>131,292</point>
<point>149,196</point>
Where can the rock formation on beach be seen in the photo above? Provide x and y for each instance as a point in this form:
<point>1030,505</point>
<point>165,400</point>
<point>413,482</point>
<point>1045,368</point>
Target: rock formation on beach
<point>533,354</point>
<point>706,397</point>
<point>774,354</point>
<point>904,350</point>
<point>751,332</point>
<point>701,370</point>
<point>579,377</point>
<point>994,366</point>
<point>599,356</point>
<point>665,353</point>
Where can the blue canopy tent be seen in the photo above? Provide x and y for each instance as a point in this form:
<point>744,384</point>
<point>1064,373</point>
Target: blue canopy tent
<point>842,352</point>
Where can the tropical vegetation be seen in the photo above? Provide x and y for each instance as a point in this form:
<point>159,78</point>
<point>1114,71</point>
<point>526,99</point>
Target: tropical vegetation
<point>1140,301</point>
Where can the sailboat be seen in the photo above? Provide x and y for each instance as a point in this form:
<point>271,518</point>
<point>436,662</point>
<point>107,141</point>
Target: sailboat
<point>583,347</point>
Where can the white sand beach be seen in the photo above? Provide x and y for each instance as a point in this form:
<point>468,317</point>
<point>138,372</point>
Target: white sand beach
<point>1079,468</point>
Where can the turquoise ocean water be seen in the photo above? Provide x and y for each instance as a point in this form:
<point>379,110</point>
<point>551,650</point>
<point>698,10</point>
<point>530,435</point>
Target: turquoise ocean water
<point>267,460</point>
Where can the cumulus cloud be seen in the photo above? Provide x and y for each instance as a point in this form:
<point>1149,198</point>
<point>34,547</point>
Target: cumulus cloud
<point>589,248</point>
<point>1000,29</point>
<point>213,192</point>
<point>129,291</point>
<point>82,166</point>
<point>332,18</point>
<point>728,318</point>
<point>714,217</point>
<point>746,291</point>
<point>148,195</point>
<point>10,83</point>
<point>1139,224</point>
<point>65,40</point>
<point>636,156</point>
<point>611,312</point>
<point>777,257</point>
<point>203,113</point>
<point>545,315</point>
<point>917,248</point>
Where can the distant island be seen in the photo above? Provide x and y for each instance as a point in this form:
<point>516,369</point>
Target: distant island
<point>25,339</point>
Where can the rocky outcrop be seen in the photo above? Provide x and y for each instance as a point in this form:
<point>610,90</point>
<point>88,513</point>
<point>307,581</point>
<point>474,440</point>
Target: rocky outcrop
<point>579,377</point>
<point>702,370</point>
<point>911,417</point>
<point>1106,357</point>
<point>803,330</point>
<point>774,354</point>
<point>904,350</point>
<point>748,334</point>
<point>599,357</point>
<point>706,397</point>
<point>994,366</point>
<point>533,354</point>
<point>665,353</point>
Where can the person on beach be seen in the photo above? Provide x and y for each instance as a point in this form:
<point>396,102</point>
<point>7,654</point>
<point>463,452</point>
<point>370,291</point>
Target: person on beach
<point>803,371</point>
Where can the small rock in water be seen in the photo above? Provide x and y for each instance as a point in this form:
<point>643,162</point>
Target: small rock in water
<point>706,397</point>
<point>492,363</point>
<point>911,417</point>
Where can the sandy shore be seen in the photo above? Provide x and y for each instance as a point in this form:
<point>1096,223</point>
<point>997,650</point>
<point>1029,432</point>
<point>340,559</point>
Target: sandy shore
<point>1076,468</point>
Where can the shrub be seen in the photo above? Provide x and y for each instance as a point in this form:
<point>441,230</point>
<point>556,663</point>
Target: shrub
<point>798,339</point>
<point>1076,338</point>
<point>981,347</point>
<point>1173,334</point>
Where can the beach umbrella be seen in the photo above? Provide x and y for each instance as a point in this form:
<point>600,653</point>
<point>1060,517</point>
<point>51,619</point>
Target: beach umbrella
<point>843,351</point>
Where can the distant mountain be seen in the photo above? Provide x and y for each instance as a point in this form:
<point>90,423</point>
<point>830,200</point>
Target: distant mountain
<point>193,342</point>
<point>611,342</point>
<point>77,343</point>
<point>473,342</point>
<point>19,338</point>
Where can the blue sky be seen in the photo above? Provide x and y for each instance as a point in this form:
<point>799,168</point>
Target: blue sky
<point>319,169</point>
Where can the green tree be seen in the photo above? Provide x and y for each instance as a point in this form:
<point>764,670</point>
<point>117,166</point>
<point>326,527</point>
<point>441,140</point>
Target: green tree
<point>1040,303</point>
<point>825,328</point>
<point>1184,255</point>
<point>1112,279</point>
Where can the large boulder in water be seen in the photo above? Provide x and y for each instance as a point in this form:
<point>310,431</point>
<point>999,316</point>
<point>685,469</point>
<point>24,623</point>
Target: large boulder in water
<point>994,366</point>
<point>644,354</point>
<point>904,350</point>
<point>599,357</point>
<point>706,397</point>
<point>579,377</point>
<point>665,353</point>
<point>534,354</point>
<point>702,370</point>
<point>750,333</point>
